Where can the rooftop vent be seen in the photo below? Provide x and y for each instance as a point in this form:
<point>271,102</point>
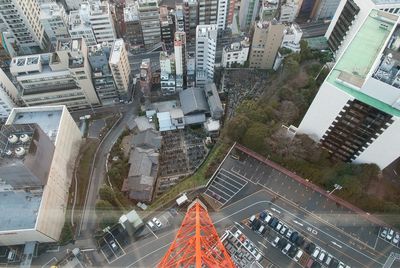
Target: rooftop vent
<point>20,151</point>
<point>24,138</point>
<point>12,138</point>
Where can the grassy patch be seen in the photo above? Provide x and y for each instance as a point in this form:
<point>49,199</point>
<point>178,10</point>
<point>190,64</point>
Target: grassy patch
<point>66,234</point>
<point>199,178</point>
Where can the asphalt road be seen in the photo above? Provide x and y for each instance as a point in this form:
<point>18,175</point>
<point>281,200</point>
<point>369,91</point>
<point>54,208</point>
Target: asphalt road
<point>88,221</point>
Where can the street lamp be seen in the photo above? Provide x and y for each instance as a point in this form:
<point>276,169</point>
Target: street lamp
<point>337,187</point>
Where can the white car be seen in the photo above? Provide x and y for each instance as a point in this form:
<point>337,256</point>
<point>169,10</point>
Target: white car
<point>396,238</point>
<point>268,218</point>
<point>390,235</point>
<point>289,233</point>
<point>283,230</point>
<point>275,242</point>
<point>157,222</point>
<point>278,227</point>
<point>316,252</point>
<point>341,265</point>
<point>286,249</point>
<point>384,233</point>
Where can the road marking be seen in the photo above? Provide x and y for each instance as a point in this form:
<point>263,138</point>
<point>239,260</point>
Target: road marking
<point>275,210</point>
<point>239,225</point>
<point>299,223</point>
<point>262,244</point>
<point>336,244</point>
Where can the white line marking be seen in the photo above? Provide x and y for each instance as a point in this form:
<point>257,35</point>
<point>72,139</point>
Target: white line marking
<point>54,258</point>
<point>151,231</point>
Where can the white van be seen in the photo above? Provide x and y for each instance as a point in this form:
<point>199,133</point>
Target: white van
<point>298,255</point>
<point>286,249</point>
<point>261,229</point>
<point>151,224</point>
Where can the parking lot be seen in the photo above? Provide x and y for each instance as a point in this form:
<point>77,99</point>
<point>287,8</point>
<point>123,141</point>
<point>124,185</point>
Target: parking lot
<point>224,186</point>
<point>352,235</point>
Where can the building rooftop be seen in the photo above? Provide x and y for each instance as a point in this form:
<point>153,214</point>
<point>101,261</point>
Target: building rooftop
<point>352,68</point>
<point>131,13</point>
<point>19,210</point>
<point>193,100</point>
<point>50,10</point>
<point>383,2</point>
<point>116,51</point>
<point>48,118</point>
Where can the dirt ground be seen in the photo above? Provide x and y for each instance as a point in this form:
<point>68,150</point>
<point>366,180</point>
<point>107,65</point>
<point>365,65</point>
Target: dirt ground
<point>126,144</point>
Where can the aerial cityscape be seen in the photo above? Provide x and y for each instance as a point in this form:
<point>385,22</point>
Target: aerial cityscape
<point>200,133</point>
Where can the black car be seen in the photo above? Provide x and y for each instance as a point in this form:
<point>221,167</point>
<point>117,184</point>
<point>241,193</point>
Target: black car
<point>256,224</point>
<point>294,237</point>
<point>310,248</point>
<point>274,222</point>
<point>334,263</point>
<point>316,265</point>
<point>292,251</point>
<point>263,215</point>
<point>282,243</point>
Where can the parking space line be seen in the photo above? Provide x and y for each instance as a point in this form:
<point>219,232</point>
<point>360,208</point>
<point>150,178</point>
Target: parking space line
<point>227,181</point>
<point>216,190</point>
<point>151,231</point>
<point>235,179</point>
<point>105,257</point>
<point>235,194</point>
<point>225,187</point>
<point>205,193</point>
<point>54,258</point>
<point>235,174</point>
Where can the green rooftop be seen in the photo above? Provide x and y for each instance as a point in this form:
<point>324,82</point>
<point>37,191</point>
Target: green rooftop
<point>357,60</point>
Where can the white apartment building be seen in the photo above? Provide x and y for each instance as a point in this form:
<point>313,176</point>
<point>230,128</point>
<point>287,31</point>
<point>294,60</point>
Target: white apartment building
<point>62,77</point>
<point>348,18</point>
<point>235,53</point>
<point>98,14</point>
<point>222,13</point>
<point>356,113</point>
<point>167,65</point>
<point>54,20</point>
<point>120,67</point>
<point>180,59</point>
<point>206,43</point>
<point>289,11</point>
<point>36,182</point>
<point>21,20</point>
<point>269,10</point>
<point>291,37</point>
<point>79,28</point>
<point>150,22</point>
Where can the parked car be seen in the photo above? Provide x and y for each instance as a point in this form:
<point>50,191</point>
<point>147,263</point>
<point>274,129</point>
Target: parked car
<point>283,229</point>
<point>292,251</point>
<point>294,236</point>
<point>384,232</point>
<point>286,248</point>
<point>256,224</point>
<point>316,252</point>
<point>289,233</point>
<point>328,259</point>
<point>278,227</point>
<point>390,235</point>
<point>157,222</point>
<point>322,256</point>
<point>268,218</point>
<point>263,215</point>
<point>274,222</point>
<point>298,255</point>
<point>261,229</point>
<point>396,238</point>
<point>113,245</point>
<point>300,241</point>
<point>258,257</point>
<point>275,242</point>
<point>334,263</point>
<point>282,243</point>
<point>237,233</point>
<point>252,218</point>
<point>341,265</point>
<point>310,248</point>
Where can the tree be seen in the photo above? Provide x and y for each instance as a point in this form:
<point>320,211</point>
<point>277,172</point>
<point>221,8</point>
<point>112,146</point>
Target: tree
<point>237,127</point>
<point>107,194</point>
<point>291,66</point>
<point>305,52</point>
<point>255,136</point>
<point>103,206</point>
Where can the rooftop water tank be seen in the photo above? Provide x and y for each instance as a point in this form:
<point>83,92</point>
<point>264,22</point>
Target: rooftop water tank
<point>24,138</point>
<point>20,151</point>
<point>12,138</point>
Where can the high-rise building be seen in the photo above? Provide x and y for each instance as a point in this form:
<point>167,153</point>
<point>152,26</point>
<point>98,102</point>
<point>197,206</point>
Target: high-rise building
<point>349,16</point>
<point>167,27</point>
<point>222,15</point>
<point>167,66</point>
<point>269,10</point>
<point>179,19</point>
<point>55,21</point>
<point>248,13</point>
<point>267,39</point>
<point>231,12</point>
<point>289,11</point>
<point>356,113</point>
<point>80,28</point>
<point>102,76</point>
<point>191,14</point>
<point>21,20</point>
<point>133,29</point>
<point>208,11</point>
<point>206,44</point>
<point>97,13</point>
<point>39,146</point>
<point>146,77</point>
<point>180,59</point>
<point>62,77</point>
<point>8,96</point>
<point>120,68</point>
<point>150,21</point>
<point>324,9</point>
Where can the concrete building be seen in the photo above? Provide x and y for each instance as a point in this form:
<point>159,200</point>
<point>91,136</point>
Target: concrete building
<point>150,21</point>
<point>97,13</point>
<point>180,59</point>
<point>194,106</point>
<point>348,18</point>
<point>21,21</point>
<point>39,148</point>
<point>235,53</point>
<point>133,34</point>
<point>289,11</point>
<point>179,19</point>
<point>356,113</point>
<point>78,27</point>
<point>191,14</point>
<point>55,21</point>
<point>269,10</point>
<point>167,27</point>
<point>208,11</point>
<point>120,68</point>
<point>222,14</point>
<point>267,39</point>
<point>248,13</point>
<point>206,43</point>
<point>291,37</point>
<point>167,65</point>
<point>214,102</point>
<point>146,77</point>
<point>8,96</point>
<point>62,77</point>
<point>324,9</point>
<point>102,76</point>
<point>191,70</point>
<point>73,4</point>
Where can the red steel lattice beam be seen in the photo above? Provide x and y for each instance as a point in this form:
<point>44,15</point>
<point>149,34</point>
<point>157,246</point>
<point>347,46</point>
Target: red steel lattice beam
<point>197,243</point>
